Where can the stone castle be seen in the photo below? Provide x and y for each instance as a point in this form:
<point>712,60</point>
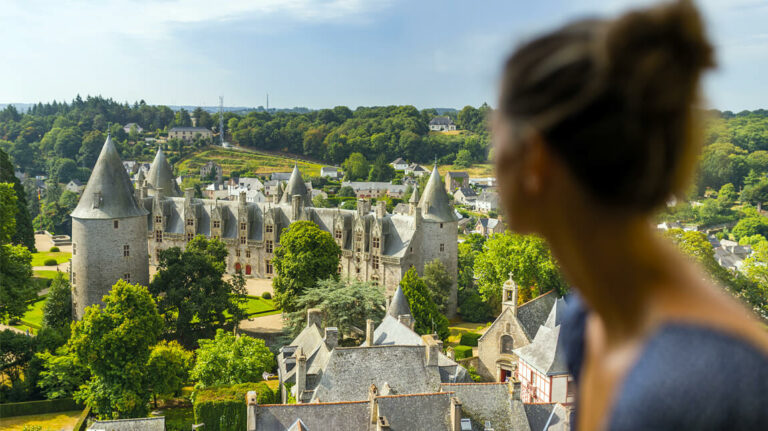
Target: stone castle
<point>118,228</point>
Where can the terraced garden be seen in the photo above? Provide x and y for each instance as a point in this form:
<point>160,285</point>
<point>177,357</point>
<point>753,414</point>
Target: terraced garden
<point>252,162</point>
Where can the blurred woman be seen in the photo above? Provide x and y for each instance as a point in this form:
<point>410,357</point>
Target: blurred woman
<point>596,129</point>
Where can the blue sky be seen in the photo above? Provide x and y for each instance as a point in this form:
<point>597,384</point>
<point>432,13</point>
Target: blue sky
<point>319,53</point>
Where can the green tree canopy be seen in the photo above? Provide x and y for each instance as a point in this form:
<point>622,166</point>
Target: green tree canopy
<point>57,311</point>
<point>438,283</point>
<point>306,255</point>
<point>16,286</point>
<point>23,232</point>
<point>168,369</point>
<point>381,170</point>
<point>463,159</point>
<point>427,317</point>
<point>356,167</point>
<point>228,360</point>
<point>193,295</point>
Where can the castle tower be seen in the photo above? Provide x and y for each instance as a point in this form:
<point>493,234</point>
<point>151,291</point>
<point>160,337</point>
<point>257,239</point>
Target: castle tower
<point>109,234</point>
<point>439,232</point>
<point>161,176</point>
<point>295,186</point>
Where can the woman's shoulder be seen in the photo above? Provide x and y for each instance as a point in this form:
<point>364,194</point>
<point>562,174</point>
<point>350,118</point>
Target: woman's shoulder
<point>572,333</point>
<point>694,377</point>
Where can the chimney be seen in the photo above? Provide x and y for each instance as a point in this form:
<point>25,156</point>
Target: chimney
<point>301,374</point>
<point>369,333</point>
<point>451,354</point>
<point>515,389</point>
<point>252,412</point>
<point>242,199</point>
<point>159,193</point>
<point>189,193</point>
<point>381,209</point>
<point>314,317</point>
<point>407,320</point>
<point>363,207</point>
<point>331,337</point>
<point>296,206</point>
<point>373,404</point>
<point>455,414</point>
<point>431,350</point>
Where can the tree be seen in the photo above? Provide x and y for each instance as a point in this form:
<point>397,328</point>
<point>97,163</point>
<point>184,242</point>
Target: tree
<point>114,343</point>
<point>62,373</point>
<point>168,368</point>
<point>57,311</point>
<point>346,192</point>
<point>228,360</point>
<point>748,226</point>
<point>306,254</point>
<point>16,286</point>
<point>463,159</point>
<point>439,283</point>
<point>346,304</point>
<point>18,349</point>
<point>356,167</point>
<point>756,268</point>
<point>23,233</point>
<point>756,193</point>
<point>427,317</point>
<point>91,147</point>
<point>527,257</point>
<point>381,170</point>
<point>192,293</point>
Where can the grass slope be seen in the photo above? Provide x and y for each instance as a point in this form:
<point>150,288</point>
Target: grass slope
<point>254,162</point>
<point>48,421</point>
<point>38,259</point>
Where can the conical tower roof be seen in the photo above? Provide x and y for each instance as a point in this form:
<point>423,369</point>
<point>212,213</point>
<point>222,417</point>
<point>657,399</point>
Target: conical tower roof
<point>295,186</point>
<point>140,177</point>
<point>109,193</point>
<point>161,176</point>
<point>414,195</point>
<point>399,305</point>
<point>434,201</point>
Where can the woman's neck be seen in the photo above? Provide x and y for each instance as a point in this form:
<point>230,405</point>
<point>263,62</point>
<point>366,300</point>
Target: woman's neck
<point>615,262</point>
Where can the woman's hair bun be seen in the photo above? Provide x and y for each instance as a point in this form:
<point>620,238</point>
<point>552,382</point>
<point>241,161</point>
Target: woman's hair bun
<point>659,51</point>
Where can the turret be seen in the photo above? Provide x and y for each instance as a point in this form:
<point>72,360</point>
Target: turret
<point>434,203</point>
<point>109,233</point>
<point>161,176</point>
<point>295,186</point>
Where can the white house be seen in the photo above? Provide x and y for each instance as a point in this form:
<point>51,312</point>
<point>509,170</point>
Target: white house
<point>440,124</point>
<point>487,201</point>
<point>415,169</point>
<point>399,164</point>
<point>330,172</point>
<point>75,186</point>
<point>128,127</point>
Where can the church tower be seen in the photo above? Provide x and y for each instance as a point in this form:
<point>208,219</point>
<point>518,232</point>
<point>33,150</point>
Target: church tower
<point>440,232</point>
<point>109,233</point>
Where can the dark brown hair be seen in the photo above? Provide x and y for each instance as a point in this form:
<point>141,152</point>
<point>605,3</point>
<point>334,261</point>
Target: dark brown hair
<point>614,98</point>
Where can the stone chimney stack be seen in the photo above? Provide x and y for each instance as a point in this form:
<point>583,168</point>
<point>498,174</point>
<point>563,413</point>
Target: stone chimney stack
<point>515,389</point>
<point>431,349</point>
<point>331,337</point>
<point>296,207</point>
<point>455,414</point>
<point>252,412</point>
<point>363,207</point>
<point>189,193</point>
<point>301,374</point>
<point>369,333</point>
<point>381,209</point>
<point>373,406</point>
<point>382,424</point>
<point>242,199</point>
<point>314,317</point>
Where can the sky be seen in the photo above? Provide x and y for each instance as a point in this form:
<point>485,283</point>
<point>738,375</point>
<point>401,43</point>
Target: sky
<point>320,53</point>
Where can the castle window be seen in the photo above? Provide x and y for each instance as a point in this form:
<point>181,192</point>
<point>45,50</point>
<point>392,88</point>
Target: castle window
<point>268,228</point>
<point>268,266</point>
<point>506,345</point>
<point>158,219</point>
<point>74,249</point>
<point>237,252</point>
<point>375,261</point>
<point>248,253</point>
<point>269,246</point>
<point>158,236</point>
<point>126,250</point>
<point>217,224</point>
<point>127,277</point>
<point>441,225</point>
<point>338,234</point>
<point>243,226</point>
<point>190,236</point>
<point>190,222</point>
<point>358,236</point>
<point>410,249</point>
<point>74,278</point>
<point>376,242</point>
<point>243,240</point>
<point>115,224</point>
<point>339,269</point>
<point>442,247</point>
<point>357,270</point>
<point>375,279</point>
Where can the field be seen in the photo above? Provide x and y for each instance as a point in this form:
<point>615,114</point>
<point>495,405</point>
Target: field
<point>38,259</point>
<point>49,421</point>
<point>253,162</point>
<point>478,170</point>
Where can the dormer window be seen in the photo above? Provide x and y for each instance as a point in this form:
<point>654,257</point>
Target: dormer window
<point>375,242</point>
<point>243,226</point>
<point>217,224</point>
<point>190,222</point>
<point>338,234</point>
<point>158,219</point>
<point>268,228</point>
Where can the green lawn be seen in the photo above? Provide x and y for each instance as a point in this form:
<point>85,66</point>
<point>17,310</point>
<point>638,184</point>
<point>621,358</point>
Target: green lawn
<point>47,274</point>
<point>256,305</point>
<point>38,259</point>
<point>254,162</point>
<point>49,421</point>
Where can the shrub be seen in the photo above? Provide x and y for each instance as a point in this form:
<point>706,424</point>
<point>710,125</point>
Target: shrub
<point>54,249</point>
<point>222,408</point>
<point>474,309</point>
<point>50,262</point>
<point>266,295</point>
<point>469,339</point>
<point>462,352</point>
<point>474,375</point>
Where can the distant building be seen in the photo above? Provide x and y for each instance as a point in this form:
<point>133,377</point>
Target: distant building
<point>375,189</point>
<point>75,186</point>
<point>489,226</point>
<point>127,128</point>
<point>487,202</point>
<point>330,172</point>
<point>464,195</point>
<point>441,124</point>
<point>483,182</point>
<point>730,254</point>
<point>138,424</point>
<point>415,170</point>
<point>247,183</point>
<point>399,164</point>
<point>455,180</point>
<point>189,133</point>
<point>280,176</point>
<point>210,166</point>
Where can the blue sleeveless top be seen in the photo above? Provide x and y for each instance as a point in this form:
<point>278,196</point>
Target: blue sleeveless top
<point>687,377</point>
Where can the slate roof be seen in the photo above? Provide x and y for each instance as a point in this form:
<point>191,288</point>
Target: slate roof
<point>140,424</point>
<point>468,192</point>
<point>295,186</point>
<point>414,199</point>
<point>109,181</point>
<point>458,174</point>
<point>398,161</point>
<point>391,332</point>
<point>491,402</point>
<point>343,416</point>
<point>161,175</point>
<point>539,414</point>
<point>441,121</point>
<point>399,305</point>
<point>190,129</point>
<point>434,201</point>
<point>428,411</point>
<point>534,313</point>
<point>374,185</point>
<point>545,352</point>
<point>488,223</point>
<point>280,176</point>
<point>490,197</point>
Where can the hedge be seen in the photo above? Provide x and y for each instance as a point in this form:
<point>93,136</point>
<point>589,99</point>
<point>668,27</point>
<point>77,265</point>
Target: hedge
<point>469,339</point>
<point>50,262</point>
<point>54,249</point>
<point>462,352</point>
<point>266,295</point>
<point>38,407</point>
<point>82,420</point>
<point>222,408</point>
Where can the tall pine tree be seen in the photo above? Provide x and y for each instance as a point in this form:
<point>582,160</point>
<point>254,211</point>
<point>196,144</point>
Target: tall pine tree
<point>425,313</point>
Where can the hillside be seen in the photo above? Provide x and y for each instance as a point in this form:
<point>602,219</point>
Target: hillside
<point>247,162</point>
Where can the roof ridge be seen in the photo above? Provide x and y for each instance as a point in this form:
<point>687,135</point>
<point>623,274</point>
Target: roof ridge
<point>540,296</point>
<point>474,384</point>
<point>415,395</point>
<point>314,404</point>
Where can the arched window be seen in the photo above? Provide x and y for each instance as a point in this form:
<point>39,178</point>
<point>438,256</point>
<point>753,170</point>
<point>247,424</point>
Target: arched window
<point>506,344</point>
